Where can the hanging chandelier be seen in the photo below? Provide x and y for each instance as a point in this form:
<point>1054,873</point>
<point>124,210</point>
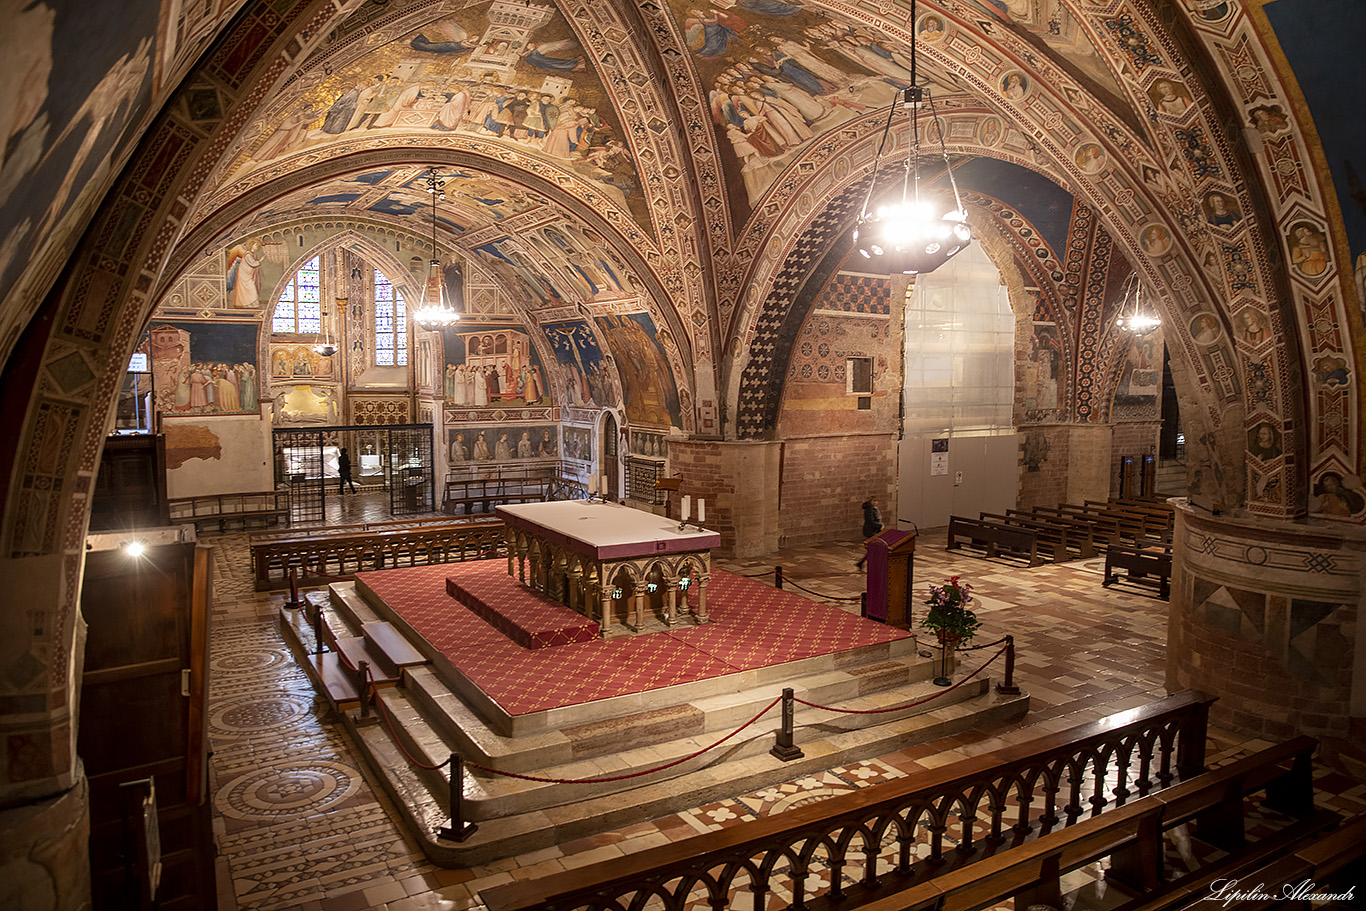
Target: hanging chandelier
<point>1133,316</point>
<point>433,313</point>
<point>919,233</point>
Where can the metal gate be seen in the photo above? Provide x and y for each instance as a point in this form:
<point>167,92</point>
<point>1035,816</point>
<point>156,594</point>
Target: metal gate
<point>412,485</point>
<point>306,460</point>
<point>299,469</point>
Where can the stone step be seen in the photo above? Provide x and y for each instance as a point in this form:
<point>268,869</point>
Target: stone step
<point>497,795</point>
<point>725,707</point>
<point>566,812</point>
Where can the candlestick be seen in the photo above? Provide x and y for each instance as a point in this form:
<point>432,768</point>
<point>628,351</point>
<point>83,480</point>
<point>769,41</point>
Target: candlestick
<point>687,506</point>
<point>701,510</point>
<point>602,486</point>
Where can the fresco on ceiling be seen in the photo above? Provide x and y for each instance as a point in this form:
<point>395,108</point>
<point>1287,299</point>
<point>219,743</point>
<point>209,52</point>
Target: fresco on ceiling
<point>1056,33</point>
<point>501,444</point>
<point>509,71</point>
<point>252,269</point>
<point>75,84</point>
<point>649,392</point>
<point>205,367</point>
<point>1045,205</point>
<point>581,363</point>
<point>504,258</point>
<point>1317,56</point>
<point>779,75</point>
<point>583,260</point>
<point>491,365</point>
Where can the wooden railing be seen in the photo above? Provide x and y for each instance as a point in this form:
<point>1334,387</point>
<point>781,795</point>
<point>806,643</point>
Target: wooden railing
<point>1000,800</point>
<point>348,554</point>
<point>268,507</point>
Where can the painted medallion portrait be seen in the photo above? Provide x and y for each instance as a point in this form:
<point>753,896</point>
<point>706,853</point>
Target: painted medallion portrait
<point>1014,85</point>
<point>1090,158</point>
<point>1204,329</point>
<point>930,28</point>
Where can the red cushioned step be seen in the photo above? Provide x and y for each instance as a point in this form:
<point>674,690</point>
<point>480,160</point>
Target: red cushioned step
<point>524,616</point>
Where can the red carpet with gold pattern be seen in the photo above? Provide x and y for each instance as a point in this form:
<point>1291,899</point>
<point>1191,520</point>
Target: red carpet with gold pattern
<point>753,625</point>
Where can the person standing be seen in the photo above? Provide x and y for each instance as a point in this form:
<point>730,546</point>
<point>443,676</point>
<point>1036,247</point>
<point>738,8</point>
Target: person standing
<point>344,469</point>
<point>872,522</point>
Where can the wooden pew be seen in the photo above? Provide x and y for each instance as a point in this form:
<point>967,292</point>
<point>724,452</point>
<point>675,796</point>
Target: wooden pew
<point>991,536</point>
<point>267,507</point>
<point>1140,561</point>
<point>1060,538</point>
<point>1130,526</point>
<point>1101,531</point>
<point>1156,518</point>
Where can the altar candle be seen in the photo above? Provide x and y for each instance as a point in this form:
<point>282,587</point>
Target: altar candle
<point>687,504</point>
<point>602,485</point>
<point>701,510</point>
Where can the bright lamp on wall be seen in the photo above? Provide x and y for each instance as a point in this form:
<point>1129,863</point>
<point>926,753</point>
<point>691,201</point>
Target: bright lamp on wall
<point>917,232</point>
<point>433,313</point>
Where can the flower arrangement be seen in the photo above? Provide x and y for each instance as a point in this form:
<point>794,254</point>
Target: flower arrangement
<point>949,615</point>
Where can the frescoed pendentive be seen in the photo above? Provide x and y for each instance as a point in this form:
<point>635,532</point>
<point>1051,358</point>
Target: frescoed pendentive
<point>649,391</point>
<point>508,71</point>
<point>501,443</point>
<point>491,366</point>
<point>581,363</point>
<point>205,367</point>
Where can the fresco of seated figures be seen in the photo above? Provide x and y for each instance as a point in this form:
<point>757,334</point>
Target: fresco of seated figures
<point>503,443</point>
<point>519,80</point>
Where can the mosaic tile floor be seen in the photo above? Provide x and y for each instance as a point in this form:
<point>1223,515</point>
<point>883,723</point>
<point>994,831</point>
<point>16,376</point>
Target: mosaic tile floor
<point>299,826</point>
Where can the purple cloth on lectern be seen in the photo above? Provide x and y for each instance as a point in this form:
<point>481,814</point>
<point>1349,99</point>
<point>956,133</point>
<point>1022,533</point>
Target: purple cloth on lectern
<point>875,552</point>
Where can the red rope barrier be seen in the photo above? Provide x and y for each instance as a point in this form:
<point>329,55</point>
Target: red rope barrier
<point>788,579</point>
<point>659,768</point>
<point>897,708</point>
<point>973,648</point>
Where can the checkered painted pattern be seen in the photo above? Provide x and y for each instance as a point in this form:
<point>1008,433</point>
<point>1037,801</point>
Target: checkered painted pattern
<point>814,256</point>
<point>524,616</point>
<point>753,625</point>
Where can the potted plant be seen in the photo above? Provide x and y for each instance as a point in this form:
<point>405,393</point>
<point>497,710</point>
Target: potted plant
<point>949,615</point>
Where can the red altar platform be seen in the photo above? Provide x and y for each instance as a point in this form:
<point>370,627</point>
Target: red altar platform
<point>753,626</point>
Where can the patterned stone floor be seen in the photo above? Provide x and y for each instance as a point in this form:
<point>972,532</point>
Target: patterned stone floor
<point>299,826</point>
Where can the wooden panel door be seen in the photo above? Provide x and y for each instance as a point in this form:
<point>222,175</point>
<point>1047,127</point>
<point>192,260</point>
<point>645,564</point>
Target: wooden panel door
<point>142,715</point>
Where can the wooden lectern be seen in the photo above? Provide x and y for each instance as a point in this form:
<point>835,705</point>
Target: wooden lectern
<point>890,557</point>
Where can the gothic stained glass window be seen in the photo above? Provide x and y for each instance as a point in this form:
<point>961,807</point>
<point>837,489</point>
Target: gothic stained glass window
<point>391,337</point>
<point>299,309</point>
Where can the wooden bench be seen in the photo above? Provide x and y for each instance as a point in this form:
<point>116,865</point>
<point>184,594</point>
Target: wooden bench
<point>491,492</point>
<point>1104,531</point>
<point>1130,526</point>
<point>266,507</point>
<point>1139,561</point>
<point>1082,535</point>
<point>1063,538</point>
<point>991,536</point>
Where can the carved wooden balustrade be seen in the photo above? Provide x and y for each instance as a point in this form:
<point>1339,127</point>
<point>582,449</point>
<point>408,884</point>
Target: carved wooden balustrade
<point>1000,800</point>
<point>347,554</point>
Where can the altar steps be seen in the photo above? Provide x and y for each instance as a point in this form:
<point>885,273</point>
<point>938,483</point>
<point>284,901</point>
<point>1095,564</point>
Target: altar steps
<point>432,717</point>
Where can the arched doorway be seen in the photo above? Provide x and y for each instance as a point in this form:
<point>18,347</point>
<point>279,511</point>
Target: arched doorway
<point>608,448</point>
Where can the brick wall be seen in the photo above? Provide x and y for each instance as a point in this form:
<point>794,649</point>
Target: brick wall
<point>1132,438</point>
<point>825,481</point>
<point>1045,452</point>
<point>739,481</point>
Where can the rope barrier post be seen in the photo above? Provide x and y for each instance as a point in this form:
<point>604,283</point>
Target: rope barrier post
<point>458,830</point>
<point>317,628</point>
<point>778,577</point>
<point>1007,686</point>
<point>943,678</point>
<point>293,603</point>
<point>363,685</point>
<point>785,749</point>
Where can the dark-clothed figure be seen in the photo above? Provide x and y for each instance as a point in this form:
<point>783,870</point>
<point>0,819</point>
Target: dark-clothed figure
<point>344,469</point>
<point>872,521</point>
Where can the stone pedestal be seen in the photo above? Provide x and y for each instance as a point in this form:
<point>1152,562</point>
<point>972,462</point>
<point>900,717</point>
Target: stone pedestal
<point>45,853</point>
<point>1265,615</point>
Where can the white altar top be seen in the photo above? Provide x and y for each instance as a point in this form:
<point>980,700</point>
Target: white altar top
<point>606,531</point>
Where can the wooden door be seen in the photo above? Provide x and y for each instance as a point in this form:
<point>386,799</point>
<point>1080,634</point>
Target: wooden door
<point>142,715</point>
<point>610,468</point>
